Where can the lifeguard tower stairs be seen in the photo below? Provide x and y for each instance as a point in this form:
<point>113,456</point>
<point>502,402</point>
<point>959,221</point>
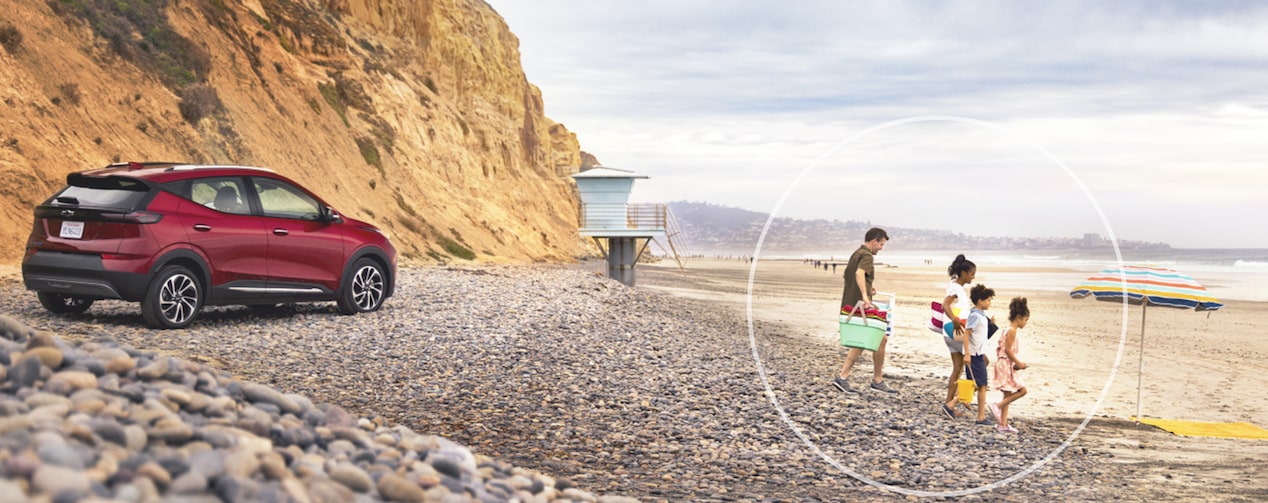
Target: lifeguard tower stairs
<point>607,215</point>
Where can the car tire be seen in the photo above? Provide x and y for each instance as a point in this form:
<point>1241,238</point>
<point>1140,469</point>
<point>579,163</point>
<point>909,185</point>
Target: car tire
<point>173,299</point>
<point>364,289</point>
<point>57,303</point>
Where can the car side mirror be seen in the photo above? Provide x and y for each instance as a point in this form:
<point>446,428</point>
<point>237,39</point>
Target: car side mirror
<point>330,216</point>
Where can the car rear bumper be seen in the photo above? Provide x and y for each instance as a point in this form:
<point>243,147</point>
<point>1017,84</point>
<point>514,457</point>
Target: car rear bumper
<point>80,275</point>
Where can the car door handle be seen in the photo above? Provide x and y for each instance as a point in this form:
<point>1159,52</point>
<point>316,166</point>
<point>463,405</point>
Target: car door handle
<point>202,227</point>
<point>281,232</point>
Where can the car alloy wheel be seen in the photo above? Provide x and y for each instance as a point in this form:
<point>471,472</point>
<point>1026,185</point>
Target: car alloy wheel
<point>178,298</point>
<point>364,290</point>
<point>173,300</point>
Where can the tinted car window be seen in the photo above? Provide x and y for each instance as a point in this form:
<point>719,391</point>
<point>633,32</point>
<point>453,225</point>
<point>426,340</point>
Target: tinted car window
<point>220,194</point>
<point>96,197</point>
<point>283,200</point>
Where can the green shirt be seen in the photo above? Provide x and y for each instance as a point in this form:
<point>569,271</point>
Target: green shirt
<point>861,259</point>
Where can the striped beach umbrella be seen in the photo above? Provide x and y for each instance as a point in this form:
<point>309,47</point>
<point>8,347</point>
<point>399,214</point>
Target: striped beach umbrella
<point>1146,286</point>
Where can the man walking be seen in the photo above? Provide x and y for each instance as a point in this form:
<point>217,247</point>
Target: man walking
<point>859,274</point>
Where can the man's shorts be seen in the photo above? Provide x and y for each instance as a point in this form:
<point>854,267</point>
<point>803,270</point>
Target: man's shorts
<point>977,370</point>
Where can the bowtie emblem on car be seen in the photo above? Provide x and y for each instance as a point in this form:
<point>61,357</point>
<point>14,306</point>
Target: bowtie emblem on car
<point>68,213</point>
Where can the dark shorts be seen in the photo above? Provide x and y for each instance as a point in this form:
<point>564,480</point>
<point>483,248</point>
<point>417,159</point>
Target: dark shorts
<point>976,370</point>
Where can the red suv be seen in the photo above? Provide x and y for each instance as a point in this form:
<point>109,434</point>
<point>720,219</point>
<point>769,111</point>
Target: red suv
<point>176,237</point>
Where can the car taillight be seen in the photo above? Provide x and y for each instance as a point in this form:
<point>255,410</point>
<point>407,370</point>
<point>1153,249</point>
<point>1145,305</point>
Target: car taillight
<point>136,217</point>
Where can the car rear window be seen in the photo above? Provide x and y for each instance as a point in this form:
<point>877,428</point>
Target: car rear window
<point>108,192</point>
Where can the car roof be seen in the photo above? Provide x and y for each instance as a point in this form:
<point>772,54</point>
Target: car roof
<point>159,172</point>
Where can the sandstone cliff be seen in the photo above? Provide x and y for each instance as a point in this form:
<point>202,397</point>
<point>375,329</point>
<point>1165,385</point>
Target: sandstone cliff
<point>413,115</point>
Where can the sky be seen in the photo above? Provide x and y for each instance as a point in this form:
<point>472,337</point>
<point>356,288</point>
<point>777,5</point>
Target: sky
<point>1145,120</point>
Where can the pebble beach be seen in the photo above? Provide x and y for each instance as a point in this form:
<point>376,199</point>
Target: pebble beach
<point>492,383</point>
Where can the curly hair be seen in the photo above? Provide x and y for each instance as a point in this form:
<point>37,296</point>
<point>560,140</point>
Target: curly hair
<point>980,292</point>
<point>1017,309</point>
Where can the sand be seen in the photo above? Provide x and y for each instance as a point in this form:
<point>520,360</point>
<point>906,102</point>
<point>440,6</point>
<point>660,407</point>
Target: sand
<point>1196,366</point>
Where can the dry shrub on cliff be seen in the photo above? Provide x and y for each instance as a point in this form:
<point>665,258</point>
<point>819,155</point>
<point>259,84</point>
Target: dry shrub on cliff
<point>352,93</point>
<point>198,101</point>
<point>10,38</point>
<point>381,129</point>
<point>370,153</point>
<point>70,91</point>
<point>453,248</point>
<point>331,96</point>
<point>304,26</point>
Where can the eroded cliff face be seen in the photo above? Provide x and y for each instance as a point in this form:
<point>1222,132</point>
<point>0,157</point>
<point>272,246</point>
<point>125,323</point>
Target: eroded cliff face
<point>413,115</point>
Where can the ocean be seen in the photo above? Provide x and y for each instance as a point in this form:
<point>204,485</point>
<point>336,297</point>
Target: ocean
<point>1228,274</point>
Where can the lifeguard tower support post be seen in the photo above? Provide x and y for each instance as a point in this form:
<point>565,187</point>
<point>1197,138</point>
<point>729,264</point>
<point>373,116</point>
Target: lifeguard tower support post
<point>606,213</point>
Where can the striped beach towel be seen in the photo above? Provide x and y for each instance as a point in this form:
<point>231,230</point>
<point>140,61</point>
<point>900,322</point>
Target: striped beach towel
<point>935,320</point>
<point>936,324</point>
<point>875,314</point>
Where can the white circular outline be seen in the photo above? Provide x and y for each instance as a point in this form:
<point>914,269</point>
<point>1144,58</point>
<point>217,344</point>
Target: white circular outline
<point>761,370</point>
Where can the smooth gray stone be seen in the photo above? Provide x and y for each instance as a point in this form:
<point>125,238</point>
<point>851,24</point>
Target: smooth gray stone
<point>175,465</point>
<point>447,466</point>
<point>260,393</point>
<point>235,489</point>
<point>156,369</point>
<point>189,483</point>
<point>219,439</point>
<point>25,373</point>
<point>209,463</point>
<point>110,431</point>
<point>62,455</point>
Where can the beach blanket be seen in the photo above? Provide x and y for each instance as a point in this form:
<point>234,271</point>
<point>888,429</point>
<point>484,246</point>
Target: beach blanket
<point>874,314</point>
<point>1205,429</point>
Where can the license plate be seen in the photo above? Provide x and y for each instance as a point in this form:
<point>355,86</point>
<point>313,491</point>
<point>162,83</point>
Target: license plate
<point>72,230</point>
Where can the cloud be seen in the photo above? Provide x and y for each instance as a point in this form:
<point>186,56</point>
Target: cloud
<point>1160,108</point>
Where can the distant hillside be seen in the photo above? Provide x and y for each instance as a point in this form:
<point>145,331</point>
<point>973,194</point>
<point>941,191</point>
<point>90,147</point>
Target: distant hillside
<point>714,229</point>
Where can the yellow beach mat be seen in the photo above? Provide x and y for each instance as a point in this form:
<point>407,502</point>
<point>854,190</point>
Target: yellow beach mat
<point>1205,429</point>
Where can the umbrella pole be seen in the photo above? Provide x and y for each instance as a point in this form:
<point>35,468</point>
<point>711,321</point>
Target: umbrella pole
<point>1140,369</point>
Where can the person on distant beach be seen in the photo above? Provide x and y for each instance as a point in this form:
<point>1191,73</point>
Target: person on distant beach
<point>859,274</point>
<point>976,331</point>
<point>955,309</point>
<point>1007,364</point>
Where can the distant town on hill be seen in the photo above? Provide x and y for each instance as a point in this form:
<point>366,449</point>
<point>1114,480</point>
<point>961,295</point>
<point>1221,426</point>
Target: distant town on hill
<point>711,228</point>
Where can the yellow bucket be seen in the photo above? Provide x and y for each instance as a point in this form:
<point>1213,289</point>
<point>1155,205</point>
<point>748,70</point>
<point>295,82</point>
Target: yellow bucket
<point>964,390</point>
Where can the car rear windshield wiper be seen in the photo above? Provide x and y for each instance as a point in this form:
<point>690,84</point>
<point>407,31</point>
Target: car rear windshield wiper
<point>68,200</point>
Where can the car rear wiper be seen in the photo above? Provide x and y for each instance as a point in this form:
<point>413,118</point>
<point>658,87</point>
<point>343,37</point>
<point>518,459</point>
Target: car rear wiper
<point>68,200</point>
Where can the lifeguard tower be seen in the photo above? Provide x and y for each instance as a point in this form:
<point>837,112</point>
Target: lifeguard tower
<point>606,213</point>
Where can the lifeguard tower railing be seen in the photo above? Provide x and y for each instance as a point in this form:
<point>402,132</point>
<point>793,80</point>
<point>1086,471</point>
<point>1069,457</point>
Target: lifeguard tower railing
<point>651,221</point>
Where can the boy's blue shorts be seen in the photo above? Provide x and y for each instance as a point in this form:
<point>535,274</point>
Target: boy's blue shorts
<point>977,370</point>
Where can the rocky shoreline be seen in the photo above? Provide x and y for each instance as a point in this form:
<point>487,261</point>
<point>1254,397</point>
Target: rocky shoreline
<point>104,421</point>
<point>556,370</point>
